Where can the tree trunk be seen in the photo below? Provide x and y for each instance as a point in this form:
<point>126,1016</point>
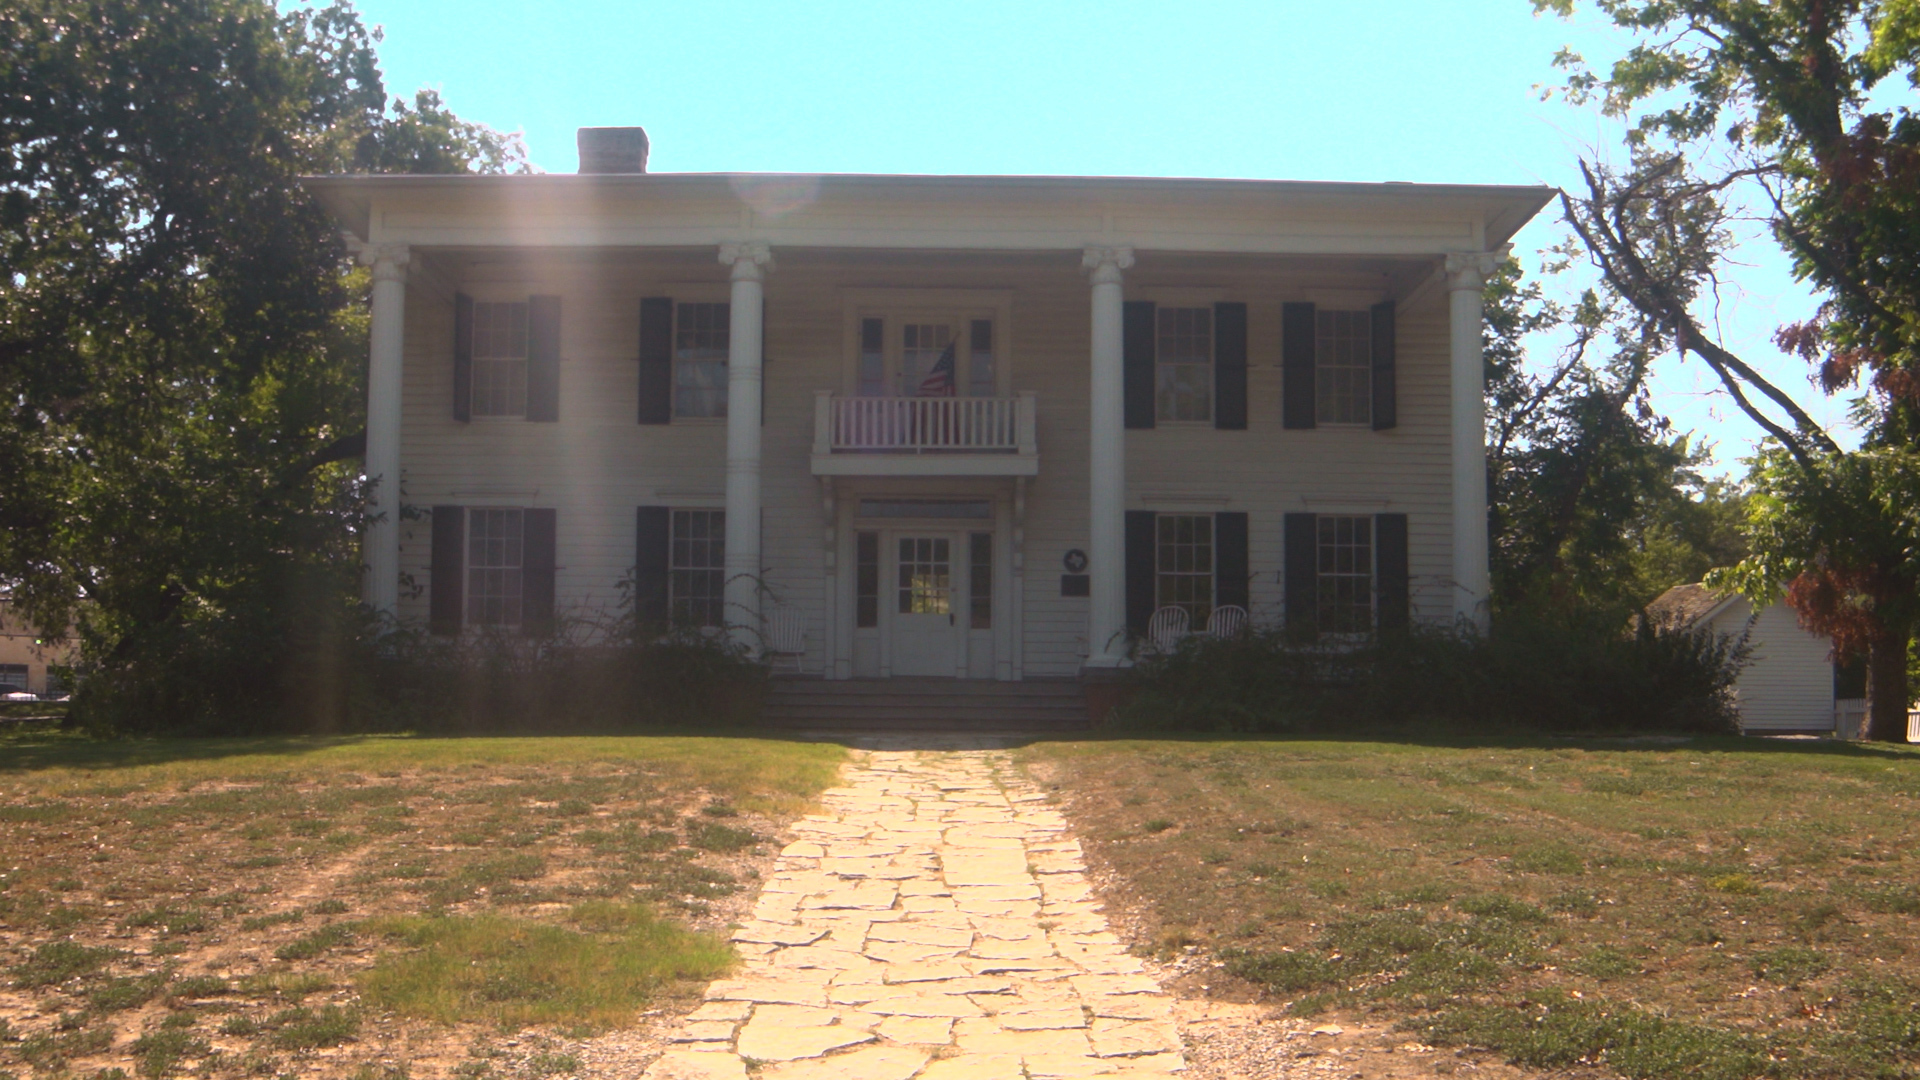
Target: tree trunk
<point>1887,688</point>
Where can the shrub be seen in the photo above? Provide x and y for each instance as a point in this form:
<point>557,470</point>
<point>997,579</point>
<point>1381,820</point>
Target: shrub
<point>1570,674</point>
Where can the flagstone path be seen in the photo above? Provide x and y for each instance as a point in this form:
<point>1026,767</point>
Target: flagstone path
<point>934,922</point>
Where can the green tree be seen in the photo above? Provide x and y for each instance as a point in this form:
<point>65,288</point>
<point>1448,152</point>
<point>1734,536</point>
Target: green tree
<point>1597,503</point>
<point>182,354</point>
<point>1736,104</point>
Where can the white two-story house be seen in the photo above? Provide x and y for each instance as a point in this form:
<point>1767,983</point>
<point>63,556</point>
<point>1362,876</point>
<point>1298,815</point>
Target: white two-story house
<point>924,426</point>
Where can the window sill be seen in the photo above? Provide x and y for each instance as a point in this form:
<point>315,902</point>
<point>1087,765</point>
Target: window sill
<point>698,421</point>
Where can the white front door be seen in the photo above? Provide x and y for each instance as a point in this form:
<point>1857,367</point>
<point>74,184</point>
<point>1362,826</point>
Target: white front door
<point>925,632</point>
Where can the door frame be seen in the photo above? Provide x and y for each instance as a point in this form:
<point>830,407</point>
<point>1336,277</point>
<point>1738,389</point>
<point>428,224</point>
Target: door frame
<point>846,524</point>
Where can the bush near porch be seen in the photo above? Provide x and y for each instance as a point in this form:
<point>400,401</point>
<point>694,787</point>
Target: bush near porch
<point>1565,674</point>
<point>1710,907</point>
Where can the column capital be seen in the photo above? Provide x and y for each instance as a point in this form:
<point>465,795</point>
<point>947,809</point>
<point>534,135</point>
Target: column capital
<point>389,261</point>
<point>750,259</point>
<point>1471,269</point>
<point>1105,263</point>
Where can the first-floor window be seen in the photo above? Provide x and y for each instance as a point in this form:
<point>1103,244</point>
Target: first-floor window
<point>500,359</point>
<point>1345,574</point>
<point>13,677</point>
<point>1183,565</point>
<point>700,345</point>
<point>697,568</point>
<point>495,561</point>
<point>1343,363</point>
<point>1183,364</point>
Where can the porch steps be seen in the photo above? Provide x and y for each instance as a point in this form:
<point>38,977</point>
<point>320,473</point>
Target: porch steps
<point>965,706</point>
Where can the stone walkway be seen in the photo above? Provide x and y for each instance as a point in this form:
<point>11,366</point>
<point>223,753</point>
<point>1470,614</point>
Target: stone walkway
<point>935,922</point>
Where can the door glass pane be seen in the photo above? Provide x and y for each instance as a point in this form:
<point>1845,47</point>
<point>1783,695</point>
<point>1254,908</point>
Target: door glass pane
<point>927,360</point>
<point>926,576</point>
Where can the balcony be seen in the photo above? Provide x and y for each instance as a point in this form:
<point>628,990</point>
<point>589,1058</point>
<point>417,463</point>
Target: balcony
<point>930,436</point>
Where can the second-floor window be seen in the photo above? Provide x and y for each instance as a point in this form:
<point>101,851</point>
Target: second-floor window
<point>1183,364</point>
<point>1343,362</point>
<point>700,344</point>
<point>500,359</point>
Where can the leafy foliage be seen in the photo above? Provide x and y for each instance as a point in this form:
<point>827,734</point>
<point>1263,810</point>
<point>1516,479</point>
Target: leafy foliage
<point>181,343</point>
<point>1571,673</point>
<point>1597,504</point>
<point>1775,102</point>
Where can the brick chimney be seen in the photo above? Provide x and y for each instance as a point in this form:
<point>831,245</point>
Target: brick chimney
<point>612,149</point>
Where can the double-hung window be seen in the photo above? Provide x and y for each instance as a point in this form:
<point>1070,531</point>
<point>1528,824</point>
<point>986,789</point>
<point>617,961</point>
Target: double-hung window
<point>697,568</point>
<point>13,677</point>
<point>700,345</point>
<point>1344,585</point>
<point>1343,362</point>
<point>1183,564</point>
<point>496,552</point>
<point>500,359</point>
<point>1183,364</point>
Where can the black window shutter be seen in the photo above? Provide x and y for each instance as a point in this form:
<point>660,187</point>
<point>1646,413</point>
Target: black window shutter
<point>1230,367</point>
<point>1303,572</point>
<point>446,582</point>
<point>1386,411</point>
<point>1137,349</point>
<point>462,357</point>
<point>652,540</point>
<point>1140,554</point>
<point>1296,365</point>
<point>1230,563</point>
<point>1392,602</point>
<point>656,360</point>
<point>536,569</point>
<point>543,358</point>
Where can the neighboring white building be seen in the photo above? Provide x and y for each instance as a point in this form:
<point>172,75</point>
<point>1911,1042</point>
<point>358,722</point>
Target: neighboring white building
<point>925,425</point>
<point>1789,684</point>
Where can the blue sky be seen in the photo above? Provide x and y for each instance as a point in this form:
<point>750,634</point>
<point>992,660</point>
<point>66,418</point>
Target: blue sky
<point>1366,91</point>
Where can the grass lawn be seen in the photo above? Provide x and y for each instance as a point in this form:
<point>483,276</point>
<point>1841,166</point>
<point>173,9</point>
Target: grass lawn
<point>367,907</point>
<point>1721,909</point>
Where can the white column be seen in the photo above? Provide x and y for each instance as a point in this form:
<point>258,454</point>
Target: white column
<point>380,588</point>
<point>744,352</point>
<point>1107,466</point>
<point>1466,278</point>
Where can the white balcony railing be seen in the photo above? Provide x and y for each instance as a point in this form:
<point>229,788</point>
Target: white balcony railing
<point>923,425</point>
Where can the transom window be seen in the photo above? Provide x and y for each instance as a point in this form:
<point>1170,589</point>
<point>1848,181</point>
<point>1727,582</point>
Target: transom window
<point>700,344</point>
<point>1183,564</point>
<point>1343,361</point>
<point>936,355</point>
<point>697,568</point>
<point>500,359</point>
<point>926,575</point>
<point>495,557</point>
<point>1183,364</point>
<point>1345,579</point>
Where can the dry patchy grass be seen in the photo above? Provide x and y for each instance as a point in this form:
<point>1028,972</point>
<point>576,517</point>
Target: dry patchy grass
<point>362,907</point>
<point>1718,908</point>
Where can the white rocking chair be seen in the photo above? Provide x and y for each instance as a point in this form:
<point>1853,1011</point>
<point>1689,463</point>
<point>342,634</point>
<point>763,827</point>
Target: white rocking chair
<point>1228,621</point>
<point>786,637</point>
<point>1167,628</point>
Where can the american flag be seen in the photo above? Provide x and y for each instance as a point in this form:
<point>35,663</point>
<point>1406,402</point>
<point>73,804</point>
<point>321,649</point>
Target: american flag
<point>940,379</point>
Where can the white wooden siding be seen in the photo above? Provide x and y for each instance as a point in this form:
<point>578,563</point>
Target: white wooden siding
<point>596,463</point>
<point>1788,683</point>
